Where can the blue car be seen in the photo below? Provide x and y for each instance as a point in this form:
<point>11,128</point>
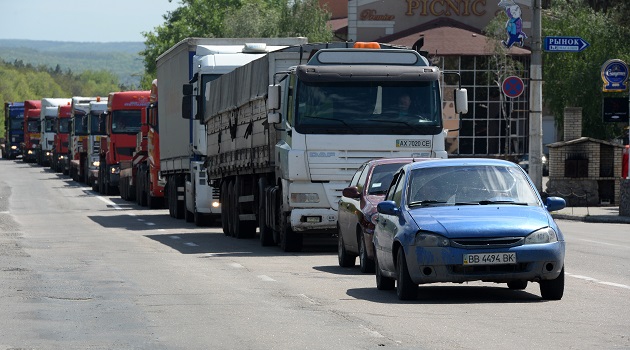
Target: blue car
<point>459,220</point>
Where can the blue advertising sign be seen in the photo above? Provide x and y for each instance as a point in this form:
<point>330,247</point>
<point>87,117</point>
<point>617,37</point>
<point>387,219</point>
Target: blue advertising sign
<point>615,75</point>
<point>565,44</point>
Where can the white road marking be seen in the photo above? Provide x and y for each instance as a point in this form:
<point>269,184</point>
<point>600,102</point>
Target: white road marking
<point>114,205</point>
<point>371,332</point>
<point>174,237</point>
<point>191,244</point>
<point>309,299</point>
<point>4,212</point>
<point>266,278</point>
<point>140,220</point>
<point>594,280</point>
<point>602,243</point>
<point>237,265</point>
<point>150,224</point>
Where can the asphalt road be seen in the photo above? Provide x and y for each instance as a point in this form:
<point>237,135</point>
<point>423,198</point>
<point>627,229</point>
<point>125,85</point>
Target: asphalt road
<point>82,271</point>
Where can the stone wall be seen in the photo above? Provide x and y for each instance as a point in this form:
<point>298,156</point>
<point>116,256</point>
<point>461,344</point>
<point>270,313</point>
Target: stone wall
<point>577,193</point>
<point>624,205</point>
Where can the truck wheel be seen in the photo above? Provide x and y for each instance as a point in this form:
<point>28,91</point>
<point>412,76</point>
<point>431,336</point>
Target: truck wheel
<point>101,188</point>
<point>231,214</point>
<point>200,219</point>
<point>188,215</point>
<point>266,234</point>
<point>180,206</point>
<point>139,180</point>
<point>290,240</point>
<point>225,207</point>
<point>242,228</point>
<point>168,196</point>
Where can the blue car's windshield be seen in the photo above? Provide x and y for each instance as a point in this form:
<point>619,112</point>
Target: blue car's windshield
<point>470,185</point>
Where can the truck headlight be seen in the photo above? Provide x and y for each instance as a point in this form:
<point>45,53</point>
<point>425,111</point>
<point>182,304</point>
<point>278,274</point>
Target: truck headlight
<point>114,170</point>
<point>304,198</point>
<point>96,163</point>
<point>14,147</point>
<point>30,151</point>
<point>544,235</point>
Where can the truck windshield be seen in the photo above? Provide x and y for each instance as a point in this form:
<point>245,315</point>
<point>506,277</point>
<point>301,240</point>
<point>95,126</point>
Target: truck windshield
<point>16,124</point>
<point>33,126</point>
<point>49,125</point>
<point>64,126</point>
<point>374,108</point>
<point>80,124</point>
<point>97,123</point>
<point>126,121</point>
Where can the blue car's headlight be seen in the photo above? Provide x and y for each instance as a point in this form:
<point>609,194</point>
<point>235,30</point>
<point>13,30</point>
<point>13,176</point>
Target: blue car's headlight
<point>424,239</point>
<point>544,235</point>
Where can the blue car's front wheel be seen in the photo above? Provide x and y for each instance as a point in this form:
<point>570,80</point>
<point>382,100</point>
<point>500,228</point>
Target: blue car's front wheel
<point>553,289</point>
<point>405,288</point>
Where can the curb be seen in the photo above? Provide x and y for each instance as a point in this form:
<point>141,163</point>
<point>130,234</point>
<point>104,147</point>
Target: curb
<point>608,219</point>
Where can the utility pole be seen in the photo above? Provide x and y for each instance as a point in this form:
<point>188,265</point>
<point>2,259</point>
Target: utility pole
<point>535,99</point>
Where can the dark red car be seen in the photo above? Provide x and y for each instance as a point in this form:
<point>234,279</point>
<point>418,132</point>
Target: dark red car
<point>357,207</point>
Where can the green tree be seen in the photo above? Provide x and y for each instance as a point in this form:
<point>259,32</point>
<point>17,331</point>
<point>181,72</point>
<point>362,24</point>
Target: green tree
<point>233,19</point>
<point>574,79</point>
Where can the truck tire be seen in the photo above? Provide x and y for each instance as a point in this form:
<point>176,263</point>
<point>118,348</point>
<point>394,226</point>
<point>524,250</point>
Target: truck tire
<point>225,207</point>
<point>188,215</point>
<point>101,188</point>
<point>265,232</point>
<point>180,206</point>
<point>243,228</point>
<point>231,209</point>
<point>290,241</point>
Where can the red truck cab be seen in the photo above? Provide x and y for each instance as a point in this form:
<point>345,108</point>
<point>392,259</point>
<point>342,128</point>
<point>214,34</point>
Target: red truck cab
<point>60,159</point>
<point>140,177</point>
<point>123,125</point>
<point>32,131</point>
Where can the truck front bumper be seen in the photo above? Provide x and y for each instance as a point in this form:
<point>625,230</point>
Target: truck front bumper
<point>313,219</point>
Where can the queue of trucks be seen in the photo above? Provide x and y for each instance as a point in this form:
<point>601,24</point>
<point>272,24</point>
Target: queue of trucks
<point>261,134</point>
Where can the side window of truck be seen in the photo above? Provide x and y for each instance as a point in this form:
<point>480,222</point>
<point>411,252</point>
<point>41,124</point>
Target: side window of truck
<point>290,88</point>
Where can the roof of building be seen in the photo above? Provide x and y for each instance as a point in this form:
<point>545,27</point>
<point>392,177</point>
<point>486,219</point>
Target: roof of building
<point>582,140</point>
<point>442,37</point>
<point>447,37</point>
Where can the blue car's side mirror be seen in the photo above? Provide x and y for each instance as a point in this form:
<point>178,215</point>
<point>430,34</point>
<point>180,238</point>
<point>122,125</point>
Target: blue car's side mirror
<point>555,203</point>
<point>387,208</point>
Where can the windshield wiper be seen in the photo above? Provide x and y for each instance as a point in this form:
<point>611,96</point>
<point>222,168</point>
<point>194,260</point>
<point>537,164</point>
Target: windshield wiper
<point>333,119</point>
<point>486,202</point>
<point>425,202</point>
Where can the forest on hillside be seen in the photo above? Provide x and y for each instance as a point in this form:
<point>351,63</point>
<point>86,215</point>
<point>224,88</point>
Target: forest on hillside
<point>20,82</point>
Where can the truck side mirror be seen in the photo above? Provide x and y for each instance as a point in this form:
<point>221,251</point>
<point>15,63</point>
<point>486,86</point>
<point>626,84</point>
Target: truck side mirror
<point>187,104</point>
<point>461,101</point>
<point>273,97</point>
<point>187,101</point>
<point>187,89</point>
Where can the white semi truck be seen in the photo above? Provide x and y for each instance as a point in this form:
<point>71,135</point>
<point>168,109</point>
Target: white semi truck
<point>48,114</point>
<point>286,132</point>
<point>196,62</point>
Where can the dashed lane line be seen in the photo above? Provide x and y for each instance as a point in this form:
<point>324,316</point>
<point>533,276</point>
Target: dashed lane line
<point>594,280</point>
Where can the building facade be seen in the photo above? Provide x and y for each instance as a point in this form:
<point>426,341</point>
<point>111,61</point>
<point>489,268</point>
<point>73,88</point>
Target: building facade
<point>451,32</point>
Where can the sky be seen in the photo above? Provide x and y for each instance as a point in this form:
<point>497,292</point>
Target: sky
<point>82,20</point>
